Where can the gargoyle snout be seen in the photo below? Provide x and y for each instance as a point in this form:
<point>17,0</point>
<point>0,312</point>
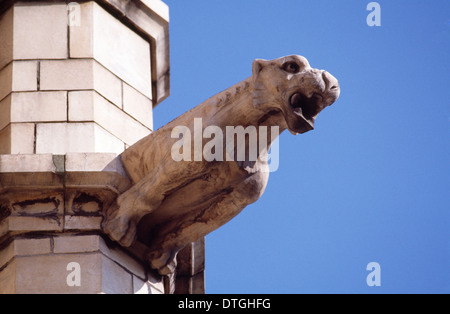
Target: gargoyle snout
<point>332,89</point>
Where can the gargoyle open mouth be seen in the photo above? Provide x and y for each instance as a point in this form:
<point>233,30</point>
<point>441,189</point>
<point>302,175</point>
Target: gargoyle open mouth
<point>306,107</point>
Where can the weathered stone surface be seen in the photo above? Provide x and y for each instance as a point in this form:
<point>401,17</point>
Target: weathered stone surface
<point>190,275</point>
<point>61,138</point>
<point>5,111</point>
<point>123,259</point>
<point>107,84</point>
<point>40,31</point>
<point>24,75</point>
<point>34,269</point>
<point>83,223</point>
<point>32,246</point>
<point>81,105</point>
<point>138,106</point>
<point>18,76</point>
<point>115,279</point>
<point>6,40</point>
<point>17,138</point>
<point>30,223</point>
<point>73,74</point>
<point>151,18</point>
<point>80,74</point>
<point>91,106</point>
<point>117,47</point>
<point>50,208</point>
<point>36,191</point>
<point>76,244</point>
<point>173,203</point>
<point>82,34</point>
<point>8,279</point>
<point>89,162</point>
<point>37,203</point>
<point>49,273</point>
<point>33,107</point>
<point>27,163</point>
<point>49,38</point>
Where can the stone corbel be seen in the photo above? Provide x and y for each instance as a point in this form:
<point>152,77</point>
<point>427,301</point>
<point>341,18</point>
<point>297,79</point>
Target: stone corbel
<point>56,193</point>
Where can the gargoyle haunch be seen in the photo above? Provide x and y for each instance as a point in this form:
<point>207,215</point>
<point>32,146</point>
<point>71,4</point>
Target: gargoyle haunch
<point>172,203</point>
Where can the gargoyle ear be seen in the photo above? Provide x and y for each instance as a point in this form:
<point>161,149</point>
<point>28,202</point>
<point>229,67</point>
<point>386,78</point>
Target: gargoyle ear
<point>259,90</point>
<point>258,65</point>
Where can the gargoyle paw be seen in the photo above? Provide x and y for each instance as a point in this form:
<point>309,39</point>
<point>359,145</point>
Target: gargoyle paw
<point>119,227</point>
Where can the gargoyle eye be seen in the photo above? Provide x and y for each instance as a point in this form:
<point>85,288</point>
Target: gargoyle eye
<point>291,67</point>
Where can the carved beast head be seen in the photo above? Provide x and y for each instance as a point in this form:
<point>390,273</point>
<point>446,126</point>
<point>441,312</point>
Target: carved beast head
<point>290,85</point>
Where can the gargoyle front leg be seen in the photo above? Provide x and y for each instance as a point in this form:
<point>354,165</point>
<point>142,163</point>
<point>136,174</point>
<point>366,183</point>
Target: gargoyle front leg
<point>189,228</point>
<point>122,217</point>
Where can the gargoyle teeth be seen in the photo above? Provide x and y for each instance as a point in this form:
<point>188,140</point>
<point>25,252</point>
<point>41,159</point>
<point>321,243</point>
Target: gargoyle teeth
<point>298,111</point>
<point>305,107</point>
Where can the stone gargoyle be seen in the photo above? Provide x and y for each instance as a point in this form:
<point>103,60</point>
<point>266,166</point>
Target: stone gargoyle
<point>173,202</point>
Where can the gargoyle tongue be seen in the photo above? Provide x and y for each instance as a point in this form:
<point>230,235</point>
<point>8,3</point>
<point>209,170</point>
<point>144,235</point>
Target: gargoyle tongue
<point>304,109</point>
<point>304,106</point>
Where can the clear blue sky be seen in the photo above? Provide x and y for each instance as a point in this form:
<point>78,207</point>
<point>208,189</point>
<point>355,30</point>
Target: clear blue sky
<point>371,183</point>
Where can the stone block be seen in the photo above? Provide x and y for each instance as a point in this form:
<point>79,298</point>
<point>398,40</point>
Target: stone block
<point>81,105</point>
<point>6,254</point>
<point>87,203</point>
<point>198,283</point>
<point>40,31</point>
<point>191,259</point>
<point>159,7</point>
<point>33,107</point>
<point>6,40</point>
<point>26,224</point>
<point>105,142</point>
<point>76,244</point>
<point>152,18</point>
<point>24,75</point>
<point>60,138</point>
<point>52,273</point>
<point>107,84</point>
<point>18,76</point>
<point>67,74</point>
<point>8,279</point>
<point>56,274</point>
<point>82,223</point>
<point>115,279</point>
<point>17,138</point>
<point>118,122</point>
<point>80,74</point>
<point>27,163</point>
<point>32,246</point>
<point>81,43</point>
<point>88,161</point>
<point>114,45</point>
<point>4,227</point>
<point>90,106</point>
<point>124,259</point>
<point>6,79</point>
<point>138,106</point>
<point>5,111</point>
